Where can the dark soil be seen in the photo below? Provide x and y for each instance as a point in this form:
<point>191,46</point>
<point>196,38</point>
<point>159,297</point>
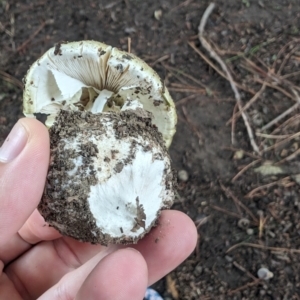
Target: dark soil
<point>243,32</point>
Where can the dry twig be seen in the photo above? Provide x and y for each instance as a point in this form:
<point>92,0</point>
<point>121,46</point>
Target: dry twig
<point>9,78</point>
<point>277,249</point>
<point>23,45</point>
<point>245,169</point>
<point>292,121</point>
<point>245,152</point>
<point>281,51</point>
<point>249,103</point>
<point>233,141</point>
<point>238,203</point>
<point>262,222</point>
<point>230,213</point>
<point>243,287</point>
<point>290,157</point>
<point>282,142</point>
<point>169,68</point>
<point>214,55</point>
<point>210,63</point>
<point>238,266</point>
<point>284,114</point>
<point>185,99</point>
<point>191,124</point>
<point>266,186</point>
<point>272,136</point>
<point>129,44</point>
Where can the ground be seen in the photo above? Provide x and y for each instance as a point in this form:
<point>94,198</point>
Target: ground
<point>245,203</point>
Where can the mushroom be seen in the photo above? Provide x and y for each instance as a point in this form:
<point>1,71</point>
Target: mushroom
<point>110,120</point>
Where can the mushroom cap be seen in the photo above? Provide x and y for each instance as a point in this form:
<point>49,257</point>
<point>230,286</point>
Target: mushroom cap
<point>110,176</point>
<point>92,76</point>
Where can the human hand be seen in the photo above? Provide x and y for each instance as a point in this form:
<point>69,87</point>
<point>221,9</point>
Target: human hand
<point>37,262</point>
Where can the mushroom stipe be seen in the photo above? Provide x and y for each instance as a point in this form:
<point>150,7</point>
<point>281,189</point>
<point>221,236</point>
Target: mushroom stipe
<point>110,173</point>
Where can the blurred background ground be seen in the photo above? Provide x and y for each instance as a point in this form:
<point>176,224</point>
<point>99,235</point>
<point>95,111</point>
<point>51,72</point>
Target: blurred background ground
<point>245,203</point>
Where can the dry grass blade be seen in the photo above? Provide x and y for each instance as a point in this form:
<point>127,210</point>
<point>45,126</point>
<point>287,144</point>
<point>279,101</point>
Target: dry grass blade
<point>9,78</point>
<point>214,55</point>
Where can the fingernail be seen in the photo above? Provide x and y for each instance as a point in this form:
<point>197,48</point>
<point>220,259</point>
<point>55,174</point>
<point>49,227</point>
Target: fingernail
<point>14,143</point>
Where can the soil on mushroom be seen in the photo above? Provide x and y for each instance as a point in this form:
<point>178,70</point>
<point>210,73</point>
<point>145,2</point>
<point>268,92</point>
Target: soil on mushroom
<point>79,162</point>
<point>202,145</point>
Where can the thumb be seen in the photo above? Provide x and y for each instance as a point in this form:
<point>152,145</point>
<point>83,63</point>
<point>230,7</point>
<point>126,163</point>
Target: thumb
<point>24,160</point>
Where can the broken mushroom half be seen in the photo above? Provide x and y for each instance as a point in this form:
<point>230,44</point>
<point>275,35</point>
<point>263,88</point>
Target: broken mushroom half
<point>110,120</point>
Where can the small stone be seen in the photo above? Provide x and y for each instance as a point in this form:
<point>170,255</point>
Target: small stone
<point>250,231</point>
<point>238,155</point>
<point>243,223</point>
<point>228,258</point>
<point>271,234</point>
<point>257,118</point>
<point>262,292</point>
<point>284,153</point>
<point>158,14</point>
<point>264,273</point>
<point>260,213</point>
<point>198,270</point>
<point>183,175</point>
<point>3,120</point>
<point>265,110</point>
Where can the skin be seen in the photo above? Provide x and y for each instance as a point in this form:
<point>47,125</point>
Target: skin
<point>36,262</point>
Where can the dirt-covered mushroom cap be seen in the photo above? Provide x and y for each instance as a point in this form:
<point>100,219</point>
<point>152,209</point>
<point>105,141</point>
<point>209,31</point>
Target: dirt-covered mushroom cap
<point>92,76</point>
<point>109,177</point>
